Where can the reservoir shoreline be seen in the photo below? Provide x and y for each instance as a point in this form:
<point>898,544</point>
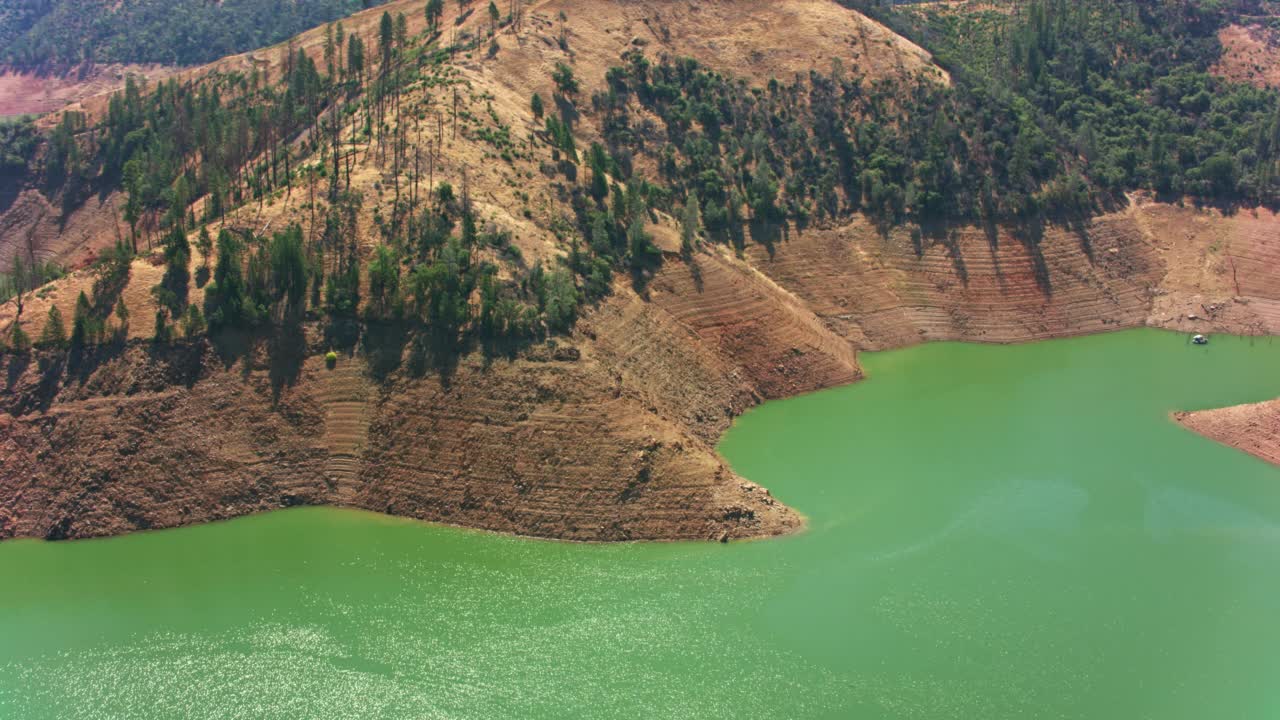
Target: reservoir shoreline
<point>768,517</point>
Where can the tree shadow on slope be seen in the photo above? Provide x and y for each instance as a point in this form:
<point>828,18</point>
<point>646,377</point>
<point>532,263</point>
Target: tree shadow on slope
<point>508,348</point>
<point>1080,228</point>
<point>1030,233</point>
<point>286,353</point>
<point>768,233</point>
<point>383,344</point>
<point>568,112</point>
<point>232,345</point>
<point>342,332</point>
<point>435,350</point>
<point>935,232</point>
<point>51,366</point>
<point>16,365</point>
<point>695,271</point>
<point>84,360</point>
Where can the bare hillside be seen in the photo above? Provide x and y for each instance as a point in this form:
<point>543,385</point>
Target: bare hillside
<point>1251,54</point>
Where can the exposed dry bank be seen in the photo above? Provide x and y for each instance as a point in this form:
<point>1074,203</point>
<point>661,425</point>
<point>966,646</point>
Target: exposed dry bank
<point>1253,428</point>
<point>607,436</point>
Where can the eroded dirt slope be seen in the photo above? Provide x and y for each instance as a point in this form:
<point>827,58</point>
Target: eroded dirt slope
<point>962,283</point>
<point>1220,270</point>
<point>134,437</point>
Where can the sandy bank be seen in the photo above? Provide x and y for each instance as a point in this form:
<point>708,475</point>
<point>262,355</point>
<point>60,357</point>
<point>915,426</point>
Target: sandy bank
<point>1253,428</point>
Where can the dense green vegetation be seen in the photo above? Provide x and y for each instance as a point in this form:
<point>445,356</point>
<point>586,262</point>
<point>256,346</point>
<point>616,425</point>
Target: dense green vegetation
<point>1056,111</point>
<point>25,275</point>
<point>1125,86</point>
<point>18,140</point>
<point>49,34</point>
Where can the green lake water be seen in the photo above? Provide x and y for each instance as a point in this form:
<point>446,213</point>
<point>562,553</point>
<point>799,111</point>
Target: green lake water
<point>995,532</point>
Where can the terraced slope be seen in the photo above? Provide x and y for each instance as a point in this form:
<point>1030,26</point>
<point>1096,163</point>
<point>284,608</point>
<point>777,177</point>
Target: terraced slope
<point>137,438</point>
<point>1254,428</point>
<point>779,345</point>
<point>539,447</point>
<point>345,393</point>
<point>542,447</point>
<point>963,284</point>
<point>1220,270</point>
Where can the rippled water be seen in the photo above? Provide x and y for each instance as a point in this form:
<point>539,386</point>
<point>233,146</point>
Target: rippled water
<point>995,532</point>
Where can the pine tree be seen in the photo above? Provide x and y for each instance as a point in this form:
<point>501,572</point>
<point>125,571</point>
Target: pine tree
<point>122,315</point>
<point>598,161</point>
<point>204,245</point>
<point>81,332</point>
<point>386,39</point>
<point>690,223</point>
<point>561,300</point>
<point>193,324</point>
<point>565,82</point>
<point>21,277</point>
<point>640,244</point>
<point>433,10</point>
<point>355,59</point>
<point>328,50</point>
<point>19,341</point>
<point>384,282</point>
<point>55,332</point>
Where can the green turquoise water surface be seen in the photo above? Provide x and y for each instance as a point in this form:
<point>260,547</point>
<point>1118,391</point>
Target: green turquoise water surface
<point>995,532</point>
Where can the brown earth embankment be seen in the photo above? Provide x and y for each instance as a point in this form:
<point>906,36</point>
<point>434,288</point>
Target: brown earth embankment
<point>549,444</point>
<point>1253,428</point>
<point>608,434</point>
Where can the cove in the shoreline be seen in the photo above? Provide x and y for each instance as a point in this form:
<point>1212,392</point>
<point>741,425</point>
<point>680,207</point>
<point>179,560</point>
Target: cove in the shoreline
<point>998,532</point>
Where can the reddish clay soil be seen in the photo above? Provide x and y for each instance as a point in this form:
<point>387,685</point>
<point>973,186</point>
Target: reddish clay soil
<point>39,229</point>
<point>25,93</point>
<point>881,291</point>
<point>1250,54</point>
<point>1219,270</point>
<point>132,437</point>
<point>1254,429</point>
